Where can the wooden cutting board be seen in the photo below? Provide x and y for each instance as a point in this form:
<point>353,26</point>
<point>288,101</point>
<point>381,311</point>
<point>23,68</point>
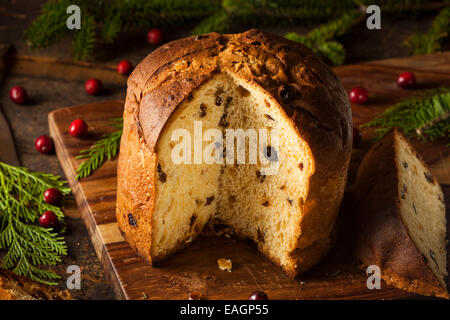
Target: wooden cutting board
<point>194,270</point>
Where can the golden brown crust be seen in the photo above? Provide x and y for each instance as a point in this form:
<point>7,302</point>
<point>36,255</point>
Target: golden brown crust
<point>14,287</point>
<point>135,197</point>
<point>316,105</point>
<point>382,239</point>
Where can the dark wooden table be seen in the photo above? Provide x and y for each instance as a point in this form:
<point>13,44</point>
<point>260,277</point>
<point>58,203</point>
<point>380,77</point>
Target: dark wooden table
<point>53,80</point>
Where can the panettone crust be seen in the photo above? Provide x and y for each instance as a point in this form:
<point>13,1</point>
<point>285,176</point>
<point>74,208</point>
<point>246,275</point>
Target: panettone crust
<point>382,238</point>
<point>318,108</point>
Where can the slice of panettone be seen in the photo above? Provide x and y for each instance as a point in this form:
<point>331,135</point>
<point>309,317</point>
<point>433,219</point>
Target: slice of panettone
<point>14,287</point>
<point>400,218</point>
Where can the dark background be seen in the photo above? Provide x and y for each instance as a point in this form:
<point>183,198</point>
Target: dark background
<point>53,80</point>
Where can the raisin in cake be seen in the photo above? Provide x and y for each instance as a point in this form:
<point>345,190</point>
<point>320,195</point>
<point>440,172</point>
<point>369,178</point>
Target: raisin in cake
<point>252,80</point>
<point>401,218</point>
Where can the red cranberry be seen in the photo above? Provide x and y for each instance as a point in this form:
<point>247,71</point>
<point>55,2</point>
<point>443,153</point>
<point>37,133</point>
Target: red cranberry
<point>78,128</point>
<point>44,144</point>
<point>358,95</point>
<point>53,196</point>
<point>93,86</point>
<point>49,220</point>
<point>258,295</point>
<point>124,67</point>
<point>18,95</point>
<point>154,36</point>
<point>356,137</point>
<point>406,80</point>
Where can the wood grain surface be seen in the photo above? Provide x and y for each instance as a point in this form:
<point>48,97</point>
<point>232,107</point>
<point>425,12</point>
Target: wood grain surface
<point>194,270</point>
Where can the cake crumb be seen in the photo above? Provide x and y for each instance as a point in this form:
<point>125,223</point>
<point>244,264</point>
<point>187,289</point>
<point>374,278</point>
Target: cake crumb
<point>195,295</point>
<point>224,264</point>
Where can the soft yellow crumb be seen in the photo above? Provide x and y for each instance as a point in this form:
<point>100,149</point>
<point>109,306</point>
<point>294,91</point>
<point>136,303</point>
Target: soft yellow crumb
<point>224,264</point>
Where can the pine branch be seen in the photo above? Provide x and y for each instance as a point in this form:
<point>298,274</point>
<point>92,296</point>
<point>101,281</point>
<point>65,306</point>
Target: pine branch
<point>271,12</point>
<point>28,246</point>
<point>337,27</point>
<point>159,13</point>
<point>400,5</point>
<point>214,15</point>
<point>319,39</point>
<point>50,26</point>
<point>425,116</point>
<point>291,10</point>
<point>219,22</point>
<point>333,50</point>
<point>112,24</point>
<point>84,39</point>
<point>102,150</point>
<point>430,42</point>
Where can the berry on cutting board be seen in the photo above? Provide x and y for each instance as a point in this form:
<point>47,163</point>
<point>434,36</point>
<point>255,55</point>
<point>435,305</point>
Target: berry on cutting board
<point>258,295</point>
<point>406,80</point>
<point>78,128</point>
<point>49,220</point>
<point>18,95</point>
<point>53,196</point>
<point>358,95</point>
<point>124,67</point>
<point>44,144</point>
<point>93,86</point>
<point>154,36</point>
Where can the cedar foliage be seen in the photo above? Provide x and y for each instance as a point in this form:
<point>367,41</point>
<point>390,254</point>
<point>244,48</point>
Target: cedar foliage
<point>426,116</point>
<point>29,246</point>
<point>104,149</point>
<point>320,39</point>
<point>103,20</point>
<point>431,41</point>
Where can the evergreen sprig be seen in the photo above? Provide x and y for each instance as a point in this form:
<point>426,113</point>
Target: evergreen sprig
<point>104,149</point>
<point>84,39</point>
<point>284,12</point>
<point>320,39</point>
<point>50,26</point>
<point>220,22</point>
<point>29,246</point>
<point>403,6</point>
<point>157,13</point>
<point>426,116</point>
<point>109,17</point>
<point>430,42</point>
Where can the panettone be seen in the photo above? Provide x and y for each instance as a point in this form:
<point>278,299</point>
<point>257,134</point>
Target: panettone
<point>15,287</point>
<point>400,218</point>
<point>253,80</point>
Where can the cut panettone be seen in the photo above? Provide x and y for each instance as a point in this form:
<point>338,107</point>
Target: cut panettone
<point>14,287</point>
<point>401,219</point>
<point>287,200</point>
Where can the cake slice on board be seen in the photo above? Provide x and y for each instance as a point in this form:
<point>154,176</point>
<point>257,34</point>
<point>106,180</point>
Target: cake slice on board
<point>400,214</point>
<point>15,287</point>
